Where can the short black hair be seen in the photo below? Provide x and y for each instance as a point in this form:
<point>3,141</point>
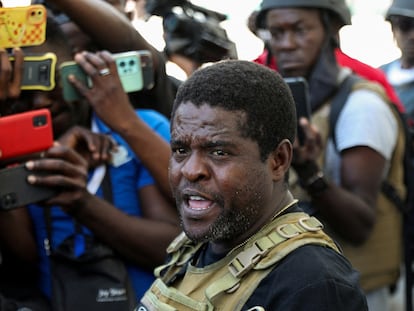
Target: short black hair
<point>259,92</point>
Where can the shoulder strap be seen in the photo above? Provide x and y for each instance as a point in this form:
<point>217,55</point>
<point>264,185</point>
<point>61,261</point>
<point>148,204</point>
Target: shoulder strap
<point>338,102</point>
<point>107,194</point>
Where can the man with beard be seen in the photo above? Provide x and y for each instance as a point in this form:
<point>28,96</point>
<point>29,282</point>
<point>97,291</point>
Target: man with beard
<point>246,244</point>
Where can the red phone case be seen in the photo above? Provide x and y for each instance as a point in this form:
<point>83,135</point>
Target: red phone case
<point>25,133</point>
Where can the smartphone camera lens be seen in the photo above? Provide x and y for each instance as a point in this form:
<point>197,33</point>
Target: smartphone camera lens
<point>39,121</point>
<point>43,73</point>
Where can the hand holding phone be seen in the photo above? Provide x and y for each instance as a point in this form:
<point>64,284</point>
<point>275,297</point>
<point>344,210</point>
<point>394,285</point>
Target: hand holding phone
<point>15,191</point>
<point>134,69</point>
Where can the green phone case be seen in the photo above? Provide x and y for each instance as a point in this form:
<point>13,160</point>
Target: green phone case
<point>70,93</point>
<point>129,71</point>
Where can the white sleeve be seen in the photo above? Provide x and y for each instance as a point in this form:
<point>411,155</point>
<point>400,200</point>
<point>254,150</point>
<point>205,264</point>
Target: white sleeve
<point>366,120</point>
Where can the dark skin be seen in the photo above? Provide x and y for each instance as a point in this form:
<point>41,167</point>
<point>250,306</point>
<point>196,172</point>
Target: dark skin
<point>296,34</point>
<point>123,120</point>
<point>142,240</point>
<point>116,23</point>
<point>133,237</point>
<point>224,191</point>
<point>405,42</point>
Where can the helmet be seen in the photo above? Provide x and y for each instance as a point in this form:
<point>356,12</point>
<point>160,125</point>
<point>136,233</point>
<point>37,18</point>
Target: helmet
<point>401,7</point>
<point>339,7</point>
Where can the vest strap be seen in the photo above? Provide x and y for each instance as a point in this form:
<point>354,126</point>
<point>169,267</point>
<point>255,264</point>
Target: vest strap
<point>249,257</point>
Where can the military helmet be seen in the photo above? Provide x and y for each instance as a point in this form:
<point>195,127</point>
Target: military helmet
<point>339,7</point>
<point>401,7</point>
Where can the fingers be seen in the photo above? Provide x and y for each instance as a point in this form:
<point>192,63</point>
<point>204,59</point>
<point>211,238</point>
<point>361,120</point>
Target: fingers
<point>61,167</point>
<point>312,145</point>
<point>5,74</point>
<point>94,147</point>
<point>17,73</point>
<point>96,64</point>
<point>100,147</point>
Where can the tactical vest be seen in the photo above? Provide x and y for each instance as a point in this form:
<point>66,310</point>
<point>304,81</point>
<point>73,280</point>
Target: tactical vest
<point>380,257</point>
<point>228,283</point>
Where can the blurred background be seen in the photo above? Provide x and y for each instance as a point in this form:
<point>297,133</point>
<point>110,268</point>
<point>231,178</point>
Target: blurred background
<point>369,39</point>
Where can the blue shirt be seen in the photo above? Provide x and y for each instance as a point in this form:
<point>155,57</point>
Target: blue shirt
<point>126,180</point>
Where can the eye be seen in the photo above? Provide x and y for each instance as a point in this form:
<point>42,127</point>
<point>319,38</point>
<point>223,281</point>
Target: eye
<point>276,33</point>
<point>301,30</point>
<point>179,151</point>
<point>220,153</point>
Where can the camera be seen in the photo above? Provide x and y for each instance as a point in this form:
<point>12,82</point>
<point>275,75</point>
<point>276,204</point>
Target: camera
<point>193,31</point>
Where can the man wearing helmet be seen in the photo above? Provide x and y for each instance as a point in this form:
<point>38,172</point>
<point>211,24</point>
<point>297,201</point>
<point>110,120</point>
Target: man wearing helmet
<point>400,72</point>
<point>339,177</point>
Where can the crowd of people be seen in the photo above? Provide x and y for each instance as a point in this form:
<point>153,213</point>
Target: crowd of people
<point>200,188</point>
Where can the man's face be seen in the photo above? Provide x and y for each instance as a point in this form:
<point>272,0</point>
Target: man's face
<point>403,30</point>
<point>297,36</point>
<point>221,186</point>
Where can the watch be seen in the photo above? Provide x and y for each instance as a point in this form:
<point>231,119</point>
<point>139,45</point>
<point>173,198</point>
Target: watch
<point>316,184</point>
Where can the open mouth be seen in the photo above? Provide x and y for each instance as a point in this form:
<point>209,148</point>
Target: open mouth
<point>196,202</point>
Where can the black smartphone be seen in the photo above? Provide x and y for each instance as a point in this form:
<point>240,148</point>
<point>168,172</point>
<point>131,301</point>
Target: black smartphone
<point>39,72</point>
<point>300,91</point>
<point>15,191</point>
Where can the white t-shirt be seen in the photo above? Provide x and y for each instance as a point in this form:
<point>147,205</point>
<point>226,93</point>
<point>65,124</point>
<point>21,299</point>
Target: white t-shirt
<point>365,120</point>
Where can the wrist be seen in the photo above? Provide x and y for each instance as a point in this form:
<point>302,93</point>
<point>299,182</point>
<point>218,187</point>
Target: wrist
<point>306,170</point>
<point>315,185</point>
<point>311,178</point>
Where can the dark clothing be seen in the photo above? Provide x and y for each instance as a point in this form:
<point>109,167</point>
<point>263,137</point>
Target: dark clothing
<point>327,282</point>
<point>318,275</point>
<point>310,276</point>
<point>18,285</point>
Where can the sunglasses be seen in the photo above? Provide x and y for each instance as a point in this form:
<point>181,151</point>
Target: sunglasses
<point>404,24</point>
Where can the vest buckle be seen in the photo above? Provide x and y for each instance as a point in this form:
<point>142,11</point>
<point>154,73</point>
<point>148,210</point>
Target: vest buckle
<point>244,261</point>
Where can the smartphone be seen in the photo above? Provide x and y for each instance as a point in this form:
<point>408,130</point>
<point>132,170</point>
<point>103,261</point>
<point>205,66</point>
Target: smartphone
<point>25,133</point>
<point>22,26</point>
<point>300,91</point>
<point>39,72</point>
<point>70,93</point>
<point>129,70</point>
<point>15,191</point>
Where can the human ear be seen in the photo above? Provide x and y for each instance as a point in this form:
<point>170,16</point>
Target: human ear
<point>280,160</point>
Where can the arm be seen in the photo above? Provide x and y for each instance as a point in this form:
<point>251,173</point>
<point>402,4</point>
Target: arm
<point>352,203</point>
<point>112,105</point>
<point>117,36</point>
<point>142,240</point>
<point>10,80</point>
